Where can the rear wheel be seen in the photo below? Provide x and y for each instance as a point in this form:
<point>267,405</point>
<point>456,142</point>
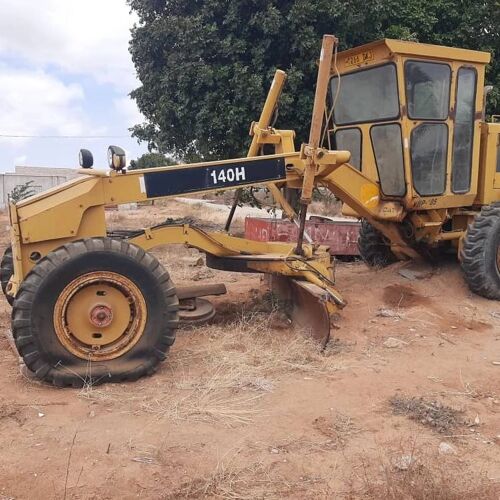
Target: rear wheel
<point>481,253</point>
<point>6,271</point>
<point>374,248</point>
<point>95,310</point>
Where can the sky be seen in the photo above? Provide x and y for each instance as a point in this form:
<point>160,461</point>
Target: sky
<point>65,70</point>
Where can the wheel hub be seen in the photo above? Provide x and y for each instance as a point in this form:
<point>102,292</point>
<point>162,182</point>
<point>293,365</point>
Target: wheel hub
<point>100,316</point>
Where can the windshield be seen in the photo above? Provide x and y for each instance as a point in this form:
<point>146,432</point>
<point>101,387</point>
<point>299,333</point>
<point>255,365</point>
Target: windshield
<point>368,95</point>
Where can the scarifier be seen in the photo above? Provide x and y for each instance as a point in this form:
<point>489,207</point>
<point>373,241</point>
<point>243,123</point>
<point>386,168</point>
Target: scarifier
<point>398,133</point>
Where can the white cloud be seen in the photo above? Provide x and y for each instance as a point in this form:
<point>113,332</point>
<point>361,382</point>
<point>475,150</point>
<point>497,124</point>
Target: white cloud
<point>43,46</point>
<point>78,36</point>
<point>34,102</point>
<point>128,109</point>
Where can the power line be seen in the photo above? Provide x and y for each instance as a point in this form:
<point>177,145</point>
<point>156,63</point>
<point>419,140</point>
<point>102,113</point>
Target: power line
<point>18,136</point>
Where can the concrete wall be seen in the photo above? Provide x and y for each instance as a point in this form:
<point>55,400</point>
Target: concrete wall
<point>43,178</point>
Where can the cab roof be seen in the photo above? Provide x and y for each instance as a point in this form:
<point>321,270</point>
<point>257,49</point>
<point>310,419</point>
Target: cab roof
<point>421,50</point>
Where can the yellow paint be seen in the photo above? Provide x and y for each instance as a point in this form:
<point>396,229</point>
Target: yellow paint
<point>370,195</point>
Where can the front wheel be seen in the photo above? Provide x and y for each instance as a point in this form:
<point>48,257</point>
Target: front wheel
<point>481,253</point>
<point>374,248</point>
<point>95,310</point>
<point>6,272</point>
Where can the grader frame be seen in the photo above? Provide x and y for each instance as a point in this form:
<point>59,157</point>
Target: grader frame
<point>75,212</point>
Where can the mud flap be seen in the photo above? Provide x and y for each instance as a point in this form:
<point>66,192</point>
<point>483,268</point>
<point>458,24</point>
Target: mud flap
<point>306,305</point>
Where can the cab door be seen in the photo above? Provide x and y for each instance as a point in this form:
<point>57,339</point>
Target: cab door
<point>427,86</point>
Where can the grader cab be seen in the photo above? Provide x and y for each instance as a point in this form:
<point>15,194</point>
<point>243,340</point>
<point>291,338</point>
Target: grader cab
<point>413,118</point>
<point>397,133</point>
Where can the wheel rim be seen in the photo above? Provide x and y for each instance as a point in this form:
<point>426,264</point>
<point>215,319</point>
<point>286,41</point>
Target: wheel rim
<point>100,316</point>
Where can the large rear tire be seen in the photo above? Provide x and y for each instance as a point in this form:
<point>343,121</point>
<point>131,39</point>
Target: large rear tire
<point>481,253</point>
<point>374,249</point>
<point>6,272</point>
<point>95,310</point>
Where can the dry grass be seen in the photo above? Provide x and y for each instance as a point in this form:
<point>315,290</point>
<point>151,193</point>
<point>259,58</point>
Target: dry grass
<point>230,481</point>
<point>416,472</point>
<point>430,413</point>
<point>251,346</point>
<point>241,362</point>
<point>339,428</point>
<point>225,376</point>
<point>206,399</point>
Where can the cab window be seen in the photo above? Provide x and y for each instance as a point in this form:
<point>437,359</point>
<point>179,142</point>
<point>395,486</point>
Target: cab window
<point>388,149</point>
<point>367,95</point>
<point>463,133</point>
<point>429,145</point>
<point>349,139</point>
<point>427,90</point>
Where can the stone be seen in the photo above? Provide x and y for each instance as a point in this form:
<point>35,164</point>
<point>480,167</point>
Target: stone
<point>388,313</point>
<point>403,462</point>
<point>416,271</point>
<point>446,448</point>
<point>393,343</point>
<point>203,274</point>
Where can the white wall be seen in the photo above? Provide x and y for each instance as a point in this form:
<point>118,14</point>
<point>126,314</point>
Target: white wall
<point>43,178</point>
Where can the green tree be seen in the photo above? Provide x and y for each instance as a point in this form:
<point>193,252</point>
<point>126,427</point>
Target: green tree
<point>205,65</point>
<point>22,191</point>
<point>151,160</point>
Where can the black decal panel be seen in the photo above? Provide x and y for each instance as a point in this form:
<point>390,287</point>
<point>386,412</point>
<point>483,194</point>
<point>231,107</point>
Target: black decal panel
<point>175,182</point>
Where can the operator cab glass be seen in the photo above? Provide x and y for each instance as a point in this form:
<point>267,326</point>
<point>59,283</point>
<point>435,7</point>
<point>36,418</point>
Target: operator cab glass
<point>428,98</point>
<point>367,96</point>
<point>463,135</point>
<point>410,115</point>
<point>427,90</point>
<point>350,139</point>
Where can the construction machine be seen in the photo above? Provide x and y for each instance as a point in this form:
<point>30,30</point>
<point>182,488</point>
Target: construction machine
<point>398,133</point>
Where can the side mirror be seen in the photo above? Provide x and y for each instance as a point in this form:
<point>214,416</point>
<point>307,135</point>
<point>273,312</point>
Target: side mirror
<point>85,158</point>
<point>116,158</point>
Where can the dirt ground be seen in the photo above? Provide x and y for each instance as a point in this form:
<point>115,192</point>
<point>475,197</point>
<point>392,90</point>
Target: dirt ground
<point>403,403</point>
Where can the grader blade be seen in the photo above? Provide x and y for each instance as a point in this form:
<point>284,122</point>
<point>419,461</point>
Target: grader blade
<point>306,305</point>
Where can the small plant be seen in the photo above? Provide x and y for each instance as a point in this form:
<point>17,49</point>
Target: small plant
<point>22,191</point>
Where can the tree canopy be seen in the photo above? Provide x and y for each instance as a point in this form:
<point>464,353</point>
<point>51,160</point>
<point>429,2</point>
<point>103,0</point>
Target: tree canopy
<point>205,65</point>
<point>151,160</point>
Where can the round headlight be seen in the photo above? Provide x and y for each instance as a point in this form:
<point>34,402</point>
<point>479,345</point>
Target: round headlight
<point>85,158</point>
<point>116,158</point>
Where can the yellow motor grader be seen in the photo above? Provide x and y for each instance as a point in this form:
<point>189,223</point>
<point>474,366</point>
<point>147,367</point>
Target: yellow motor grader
<point>398,133</point>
